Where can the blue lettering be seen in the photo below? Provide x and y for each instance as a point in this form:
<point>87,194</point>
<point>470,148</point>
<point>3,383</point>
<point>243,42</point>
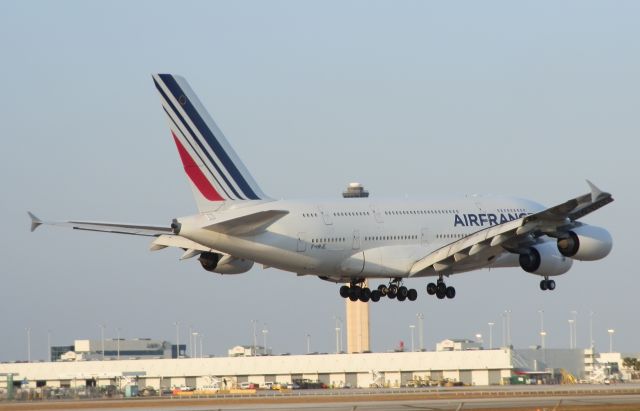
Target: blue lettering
<point>513,217</point>
<point>466,222</point>
<point>483,218</point>
<point>503,219</point>
<point>458,221</point>
<point>473,219</point>
<point>493,220</point>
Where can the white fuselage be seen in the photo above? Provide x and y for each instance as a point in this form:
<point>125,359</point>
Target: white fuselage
<point>359,237</point>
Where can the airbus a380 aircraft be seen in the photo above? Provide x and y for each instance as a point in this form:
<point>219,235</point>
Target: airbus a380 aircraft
<point>351,240</point>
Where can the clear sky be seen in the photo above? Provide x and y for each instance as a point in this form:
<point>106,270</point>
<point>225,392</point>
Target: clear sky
<point>411,98</point>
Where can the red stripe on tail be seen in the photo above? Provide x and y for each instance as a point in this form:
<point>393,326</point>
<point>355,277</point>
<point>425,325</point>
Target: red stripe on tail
<point>195,174</point>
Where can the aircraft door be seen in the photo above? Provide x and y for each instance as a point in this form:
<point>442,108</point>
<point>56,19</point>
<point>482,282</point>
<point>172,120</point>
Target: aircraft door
<point>326,216</point>
<point>302,244</point>
<point>424,236</point>
<point>377,214</point>
<point>356,239</point>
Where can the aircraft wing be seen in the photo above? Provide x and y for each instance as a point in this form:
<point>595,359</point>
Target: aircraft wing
<point>116,228</point>
<point>513,236</point>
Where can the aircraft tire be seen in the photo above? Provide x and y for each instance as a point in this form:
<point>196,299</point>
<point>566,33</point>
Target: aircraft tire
<point>402,291</point>
<point>383,289</point>
<point>431,288</point>
<point>551,285</point>
<point>344,291</point>
<point>412,295</point>
<point>375,296</point>
<point>401,297</point>
<point>440,294</point>
<point>543,285</point>
<point>391,294</point>
<point>450,292</point>
<point>441,288</point>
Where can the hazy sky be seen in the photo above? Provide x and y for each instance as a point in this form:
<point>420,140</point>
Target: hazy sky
<point>411,98</point>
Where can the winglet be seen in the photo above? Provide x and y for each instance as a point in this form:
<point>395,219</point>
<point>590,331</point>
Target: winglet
<point>35,221</point>
<point>595,191</point>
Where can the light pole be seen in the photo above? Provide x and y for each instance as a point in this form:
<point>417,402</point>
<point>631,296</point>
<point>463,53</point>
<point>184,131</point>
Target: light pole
<point>412,328</point>
<point>201,338</point>
<point>575,328</point>
<point>420,318</point>
<point>264,336</point>
<point>571,322</point>
<point>48,345</point>
<point>507,320</point>
<point>177,324</point>
<point>491,324</point>
<point>541,312</point>
<point>194,352</point>
<point>337,334</point>
<point>591,329</point>
<point>28,330</point>
<point>504,329</point>
<point>102,339</point>
<point>611,331</point>
<point>255,337</point>
<point>308,343</point>
<point>118,342</point>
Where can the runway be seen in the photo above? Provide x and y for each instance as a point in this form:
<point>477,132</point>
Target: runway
<point>556,398</point>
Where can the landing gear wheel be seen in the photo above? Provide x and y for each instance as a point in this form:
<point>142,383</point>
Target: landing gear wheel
<point>354,293</point>
<point>441,288</point>
<point>440,294</point>
<point>543,285</point>
<point>365,295</point>
<point>375,296</point>
<point>402,291</point>
<point>391,293</point>
<point>412,294</point>
<point>551,285</point>
<point>431,288</point>
<point>401,297</point>
<point>450,292</point>
<point>344,291</point>
<point>383,289</point>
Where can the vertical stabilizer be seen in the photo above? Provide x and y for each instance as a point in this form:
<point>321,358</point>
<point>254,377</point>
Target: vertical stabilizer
<point>214,169</point>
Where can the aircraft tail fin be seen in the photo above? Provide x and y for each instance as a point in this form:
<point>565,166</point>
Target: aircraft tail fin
<point>214,169</point>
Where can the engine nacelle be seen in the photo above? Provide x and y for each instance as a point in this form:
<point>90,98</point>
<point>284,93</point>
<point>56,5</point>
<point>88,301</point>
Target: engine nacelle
<point>545,259</point>
<point>586,243</point>
<point>224,264</point>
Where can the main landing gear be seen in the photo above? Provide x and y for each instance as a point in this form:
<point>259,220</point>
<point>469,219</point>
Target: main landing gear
<point>547,284</point>
<point>395,289</point>
<point>441,290</point>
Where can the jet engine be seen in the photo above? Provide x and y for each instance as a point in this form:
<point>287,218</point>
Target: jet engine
<point>224,264</point>
<point>545,259</point>
<point>586,243</point>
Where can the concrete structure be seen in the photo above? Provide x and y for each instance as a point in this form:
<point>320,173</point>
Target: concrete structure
<point>248,351</point>
<point>458,345</point>
<point>357,315</point>
<point>114,349</point>
<point>478,367</point>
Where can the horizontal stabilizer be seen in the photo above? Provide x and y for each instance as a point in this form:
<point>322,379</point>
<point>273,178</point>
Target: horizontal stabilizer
<point>248,224</point>
<point>35,221</point>
<point>115,228</point>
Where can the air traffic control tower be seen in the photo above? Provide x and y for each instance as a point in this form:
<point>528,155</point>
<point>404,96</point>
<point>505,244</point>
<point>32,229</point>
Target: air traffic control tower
<point>357,312</point>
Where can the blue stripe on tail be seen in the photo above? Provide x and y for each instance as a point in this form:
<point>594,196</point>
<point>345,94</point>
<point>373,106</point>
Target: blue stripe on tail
<point>209,137</point>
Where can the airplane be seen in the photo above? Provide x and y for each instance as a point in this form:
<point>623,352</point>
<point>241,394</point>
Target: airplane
<point>355,239</point>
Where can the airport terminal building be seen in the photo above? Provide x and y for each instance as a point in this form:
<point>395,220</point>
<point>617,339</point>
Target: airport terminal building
<point>470,366</point>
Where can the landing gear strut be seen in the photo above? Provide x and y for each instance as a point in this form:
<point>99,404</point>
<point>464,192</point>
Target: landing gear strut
<point>440,289</point>
<point>547,284</point>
